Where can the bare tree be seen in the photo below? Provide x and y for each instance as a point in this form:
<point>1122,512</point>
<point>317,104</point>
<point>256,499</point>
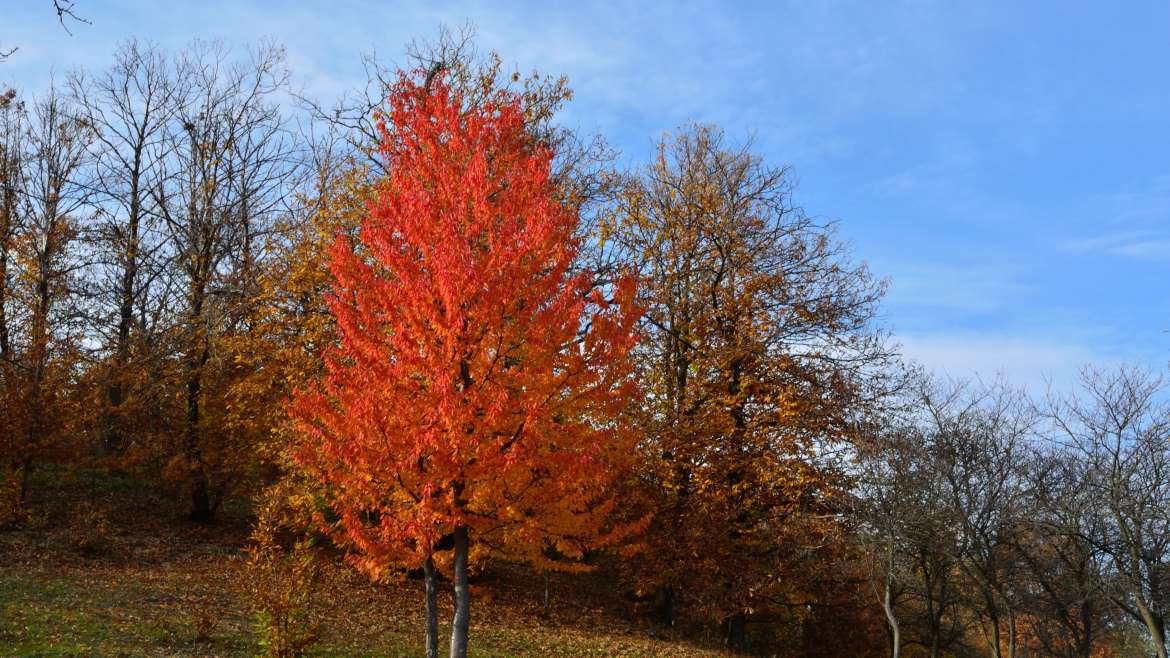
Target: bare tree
<point>908,528</point>
<point>1063,568</point>
<point>45,199</point>
<point>1119,428</point>
<point>130,107</point>
<point>979,439</point>
<point>232,165</point>
<point>12,151</point>
<point>886,486</point>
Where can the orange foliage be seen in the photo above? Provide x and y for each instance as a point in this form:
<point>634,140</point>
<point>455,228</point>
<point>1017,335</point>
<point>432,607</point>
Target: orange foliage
<point>475,380</point>
<point>756,341</point>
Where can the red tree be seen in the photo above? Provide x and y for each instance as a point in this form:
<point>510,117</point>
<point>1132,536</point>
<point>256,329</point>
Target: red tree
<point>477,382</point>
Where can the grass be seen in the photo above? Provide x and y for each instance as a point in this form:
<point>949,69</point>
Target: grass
<point>159,586</point>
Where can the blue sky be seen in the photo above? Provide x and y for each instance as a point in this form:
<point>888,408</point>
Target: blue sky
<point>1005,164</point>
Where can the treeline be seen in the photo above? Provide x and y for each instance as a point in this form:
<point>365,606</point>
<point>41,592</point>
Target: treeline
<point>1037,527</point>
<point>141,205</point>
<point>166,227</point>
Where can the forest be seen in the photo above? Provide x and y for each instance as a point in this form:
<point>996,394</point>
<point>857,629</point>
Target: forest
<point>427,372</point>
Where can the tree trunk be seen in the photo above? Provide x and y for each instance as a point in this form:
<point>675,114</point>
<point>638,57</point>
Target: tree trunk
<point>462,621</point>
<point>737,632</point>
<point>888,601</point>
<point>996,650</point>
<point>664,600</point>
<point>895,632</point>
<point>201,510</point>
<point>432,609</point>
<point>112,440</point>
<point>1155,629</point>
<point>5,350</point>
<point>1011,634</point>
<point>546,577</point>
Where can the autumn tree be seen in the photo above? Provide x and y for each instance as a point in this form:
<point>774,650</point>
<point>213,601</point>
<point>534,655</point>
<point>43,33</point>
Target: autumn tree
<point>130,107</point>
<point>230,171</point>
<point>758,337</point>
<point>44,197</point>
<point>289,322</point>
<point>476,381</point>
<point>12,152</point>
<point>286,315</point>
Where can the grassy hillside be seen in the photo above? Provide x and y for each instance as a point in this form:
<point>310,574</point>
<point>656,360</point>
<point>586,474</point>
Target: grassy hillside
<point>88,576</point>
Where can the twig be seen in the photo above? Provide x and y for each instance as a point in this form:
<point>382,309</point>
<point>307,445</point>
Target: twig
<point>65,9</point>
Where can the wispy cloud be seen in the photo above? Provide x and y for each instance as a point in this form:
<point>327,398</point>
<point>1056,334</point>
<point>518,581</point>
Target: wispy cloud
<point>1141,244</point>
<point>1146,204</point>
<point>977,288</point>
<point>1139,223</point>
<point>1029,361</point>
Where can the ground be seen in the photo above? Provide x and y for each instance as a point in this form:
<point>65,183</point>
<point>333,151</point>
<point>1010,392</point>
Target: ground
<point>88,574</point>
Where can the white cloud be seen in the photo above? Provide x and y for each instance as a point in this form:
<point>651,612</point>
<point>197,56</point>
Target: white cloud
<point>970,288</point>
<point>1139,222</point>
<point>1027,361</point>
<point>1141,244</point>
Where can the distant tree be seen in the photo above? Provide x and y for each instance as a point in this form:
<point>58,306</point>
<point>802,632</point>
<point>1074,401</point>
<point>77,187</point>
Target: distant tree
<point>476,384</point>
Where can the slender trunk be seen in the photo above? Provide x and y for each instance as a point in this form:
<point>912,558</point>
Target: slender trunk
<point>39,366</point>
<point>9,172</point>
<point>737,631</point>
<point>937,600</point>
<point>200,501</point>
<point>895,632</point>
<point>461,624</point>
<point>25,470</point>
<point>887,600</point>
<point>201,508</point>
<point>665,604</point>
<point>1011,619</point>
<point>935,623</point>
<point>432,609</point>
<point>1155,629</point>
<point>1156,635</point>
<point>4,341</point>
<point>995,648</point>
<point>1085,643</point>
<point>546,589</point>
<point>113,441</point>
